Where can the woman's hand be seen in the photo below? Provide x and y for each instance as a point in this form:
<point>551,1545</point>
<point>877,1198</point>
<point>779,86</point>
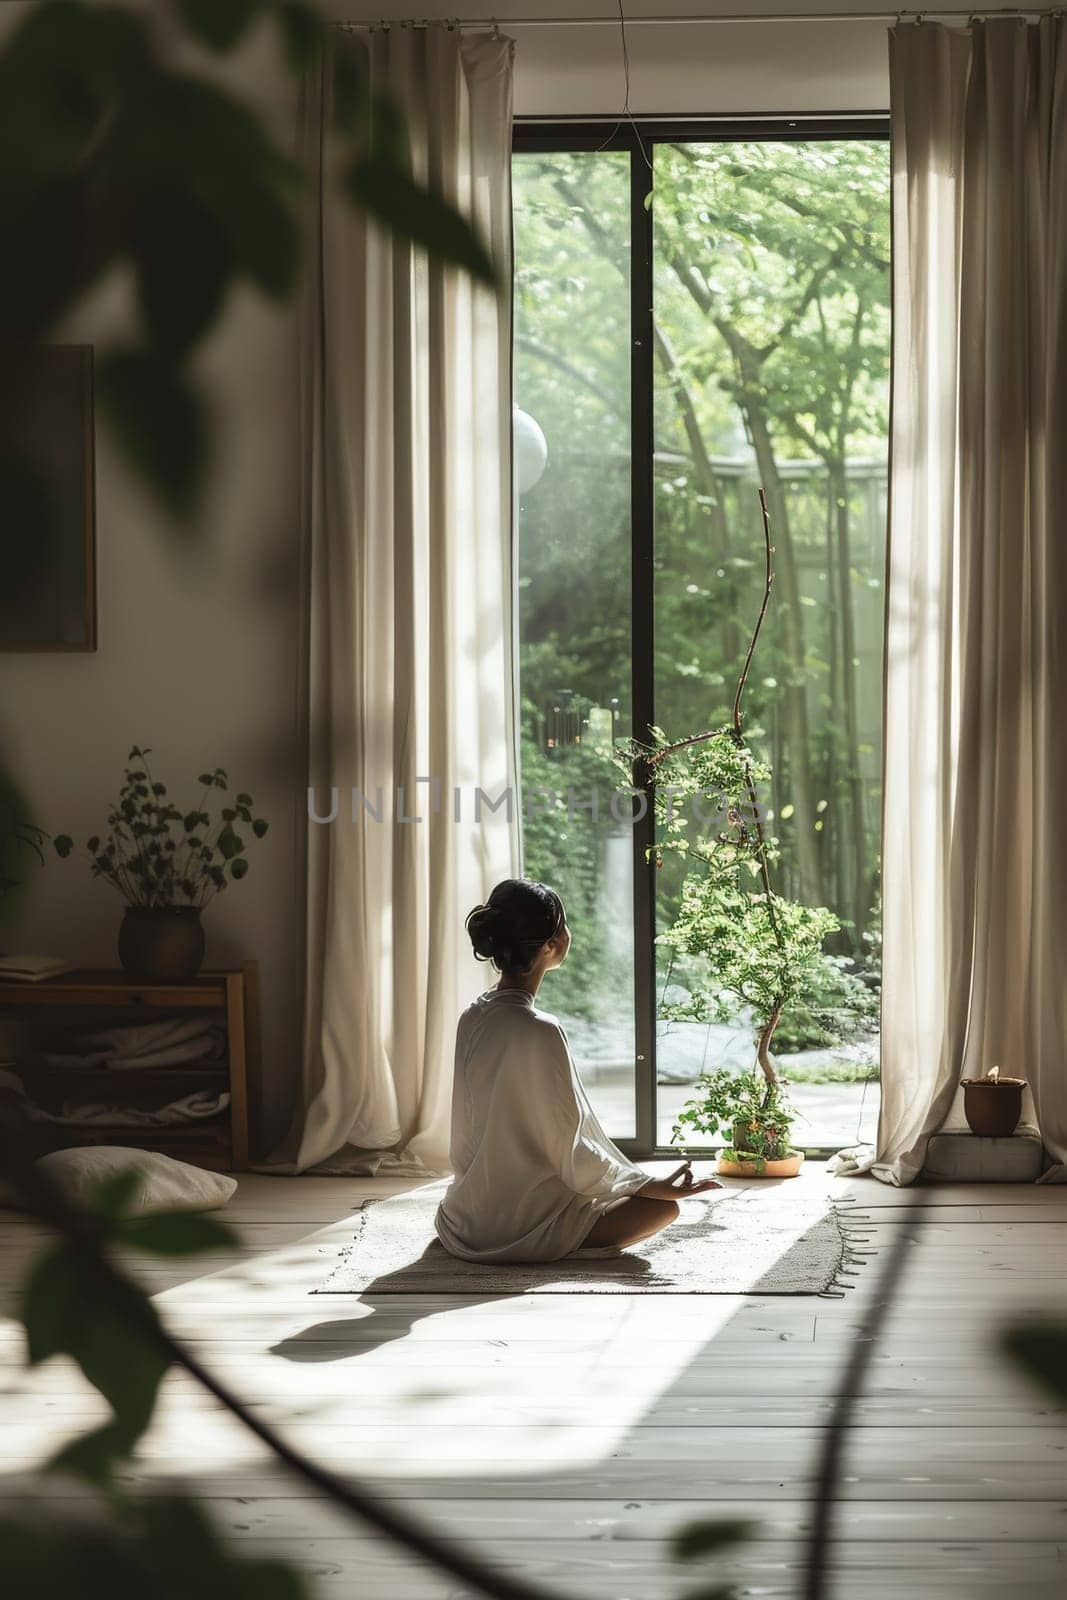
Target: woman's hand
<point>679,1186</point>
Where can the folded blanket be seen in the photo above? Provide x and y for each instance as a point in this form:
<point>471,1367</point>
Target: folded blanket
<point>189,1108</point>
<point>163,1042</point>
<point>186,1108</point>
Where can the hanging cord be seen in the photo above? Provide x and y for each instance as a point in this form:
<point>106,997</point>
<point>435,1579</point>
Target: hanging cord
<point>863,1104</point>
<point>626,114</point>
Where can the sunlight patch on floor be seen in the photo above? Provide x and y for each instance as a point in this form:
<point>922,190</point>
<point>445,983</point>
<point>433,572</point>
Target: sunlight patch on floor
<point>396,1387</point>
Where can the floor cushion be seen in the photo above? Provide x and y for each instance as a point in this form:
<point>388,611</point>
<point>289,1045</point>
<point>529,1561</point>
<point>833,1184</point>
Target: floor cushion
<point>970,1158</point>
<point>165,1184</point>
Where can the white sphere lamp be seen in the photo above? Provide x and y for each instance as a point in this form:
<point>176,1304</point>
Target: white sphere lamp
<point>531,450</point>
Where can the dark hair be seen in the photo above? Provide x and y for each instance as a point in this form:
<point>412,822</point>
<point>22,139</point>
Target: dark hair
<point>511,927</point>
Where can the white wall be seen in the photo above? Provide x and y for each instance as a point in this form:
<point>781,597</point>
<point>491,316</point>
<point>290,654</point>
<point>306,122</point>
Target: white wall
<point>726,69</point>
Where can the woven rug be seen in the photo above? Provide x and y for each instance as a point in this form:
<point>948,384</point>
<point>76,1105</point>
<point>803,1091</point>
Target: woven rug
<point>753,1241</point>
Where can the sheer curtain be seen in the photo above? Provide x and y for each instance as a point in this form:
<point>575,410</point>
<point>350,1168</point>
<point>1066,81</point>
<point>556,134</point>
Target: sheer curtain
<point>406,447</point>
<point>975,856</point>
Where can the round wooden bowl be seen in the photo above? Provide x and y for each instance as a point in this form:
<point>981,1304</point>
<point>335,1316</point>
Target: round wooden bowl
<point>785,1167</point>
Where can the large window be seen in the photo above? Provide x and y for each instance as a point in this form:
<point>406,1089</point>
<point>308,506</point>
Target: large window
<point>672,354</point>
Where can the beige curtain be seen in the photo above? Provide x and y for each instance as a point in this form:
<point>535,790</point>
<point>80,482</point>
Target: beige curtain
<point>407,507</point>
<point>975,856</point>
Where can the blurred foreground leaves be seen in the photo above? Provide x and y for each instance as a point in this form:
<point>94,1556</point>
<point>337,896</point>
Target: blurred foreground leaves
<point>113,156</point>
<point>162,1547</point>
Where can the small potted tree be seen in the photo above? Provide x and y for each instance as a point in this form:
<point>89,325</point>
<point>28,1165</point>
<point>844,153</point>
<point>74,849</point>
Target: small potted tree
<point>758,949</point>
<point>167,864</point>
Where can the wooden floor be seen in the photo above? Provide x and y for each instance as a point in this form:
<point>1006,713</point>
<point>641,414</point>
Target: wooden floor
<point>566,1436</point>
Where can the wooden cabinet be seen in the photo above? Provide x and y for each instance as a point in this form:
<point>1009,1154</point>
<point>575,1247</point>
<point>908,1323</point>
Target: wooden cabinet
<point>85,998</point>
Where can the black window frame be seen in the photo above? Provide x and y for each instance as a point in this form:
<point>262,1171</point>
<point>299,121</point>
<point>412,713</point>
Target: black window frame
<point>545,134</point>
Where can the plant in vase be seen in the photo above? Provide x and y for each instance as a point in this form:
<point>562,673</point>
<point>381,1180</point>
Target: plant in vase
<point>758,950</point>
<point>167,865</point>
<point>751,1119</point>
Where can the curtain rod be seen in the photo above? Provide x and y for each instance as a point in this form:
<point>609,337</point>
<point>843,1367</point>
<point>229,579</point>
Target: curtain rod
<point>495,23</point>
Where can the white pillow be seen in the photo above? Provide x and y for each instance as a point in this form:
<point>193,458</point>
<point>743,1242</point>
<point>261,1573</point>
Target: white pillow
<point>166,1184</point>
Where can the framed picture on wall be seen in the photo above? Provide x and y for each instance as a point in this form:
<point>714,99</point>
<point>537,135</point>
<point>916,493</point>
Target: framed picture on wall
<point>47,509</point>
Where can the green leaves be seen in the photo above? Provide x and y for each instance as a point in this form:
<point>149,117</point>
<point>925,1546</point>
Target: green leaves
<point>386,190</point>
<point>68,1308</point>
<point>97,1455</point>
<point>1040,1349</point>
<point>756,948</point>
<point>113,1195</point>
<point>178,1233</point>
<point>224,157</point>
<point>190,1558</point>
<point>302,33</point>
<point>17,837</point>
<point>351,97</point>
<point>184,262</point>
<point>219,24</point>
<point>159,856</point>
<point>162,1546</point>
<point>725,1100</point>
<point>230,843</point>
<point>159,420</point>
<point>698,1539</point>
<point>65,1313</point>
<point>109,155</point>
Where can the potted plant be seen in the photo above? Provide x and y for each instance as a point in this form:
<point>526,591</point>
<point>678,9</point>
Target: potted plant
<point>759,950</point>
<point>752,1120</point>
<point>167,865</point>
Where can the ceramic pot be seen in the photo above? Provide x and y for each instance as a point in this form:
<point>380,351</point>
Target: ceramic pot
<point>787,1166</point>
<point>161,944</point>
<point>993,1106</point>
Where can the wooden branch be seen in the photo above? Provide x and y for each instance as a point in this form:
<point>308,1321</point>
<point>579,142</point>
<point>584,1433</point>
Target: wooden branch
<point>653,760</point>
<point>734,727</point>
<point>768,580</point>
<point>734,732</point>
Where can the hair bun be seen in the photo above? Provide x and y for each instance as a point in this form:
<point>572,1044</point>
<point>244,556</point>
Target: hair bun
<point>483,925</point>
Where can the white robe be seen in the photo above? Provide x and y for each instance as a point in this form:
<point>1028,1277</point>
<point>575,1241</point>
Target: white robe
<point>533,1167</point>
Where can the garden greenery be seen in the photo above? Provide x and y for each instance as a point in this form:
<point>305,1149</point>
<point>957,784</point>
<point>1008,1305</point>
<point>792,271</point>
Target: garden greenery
<point>759,950</point>
<point>771,347</point>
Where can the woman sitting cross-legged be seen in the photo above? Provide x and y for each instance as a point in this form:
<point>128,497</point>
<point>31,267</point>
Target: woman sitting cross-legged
<point>536,1177</point>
